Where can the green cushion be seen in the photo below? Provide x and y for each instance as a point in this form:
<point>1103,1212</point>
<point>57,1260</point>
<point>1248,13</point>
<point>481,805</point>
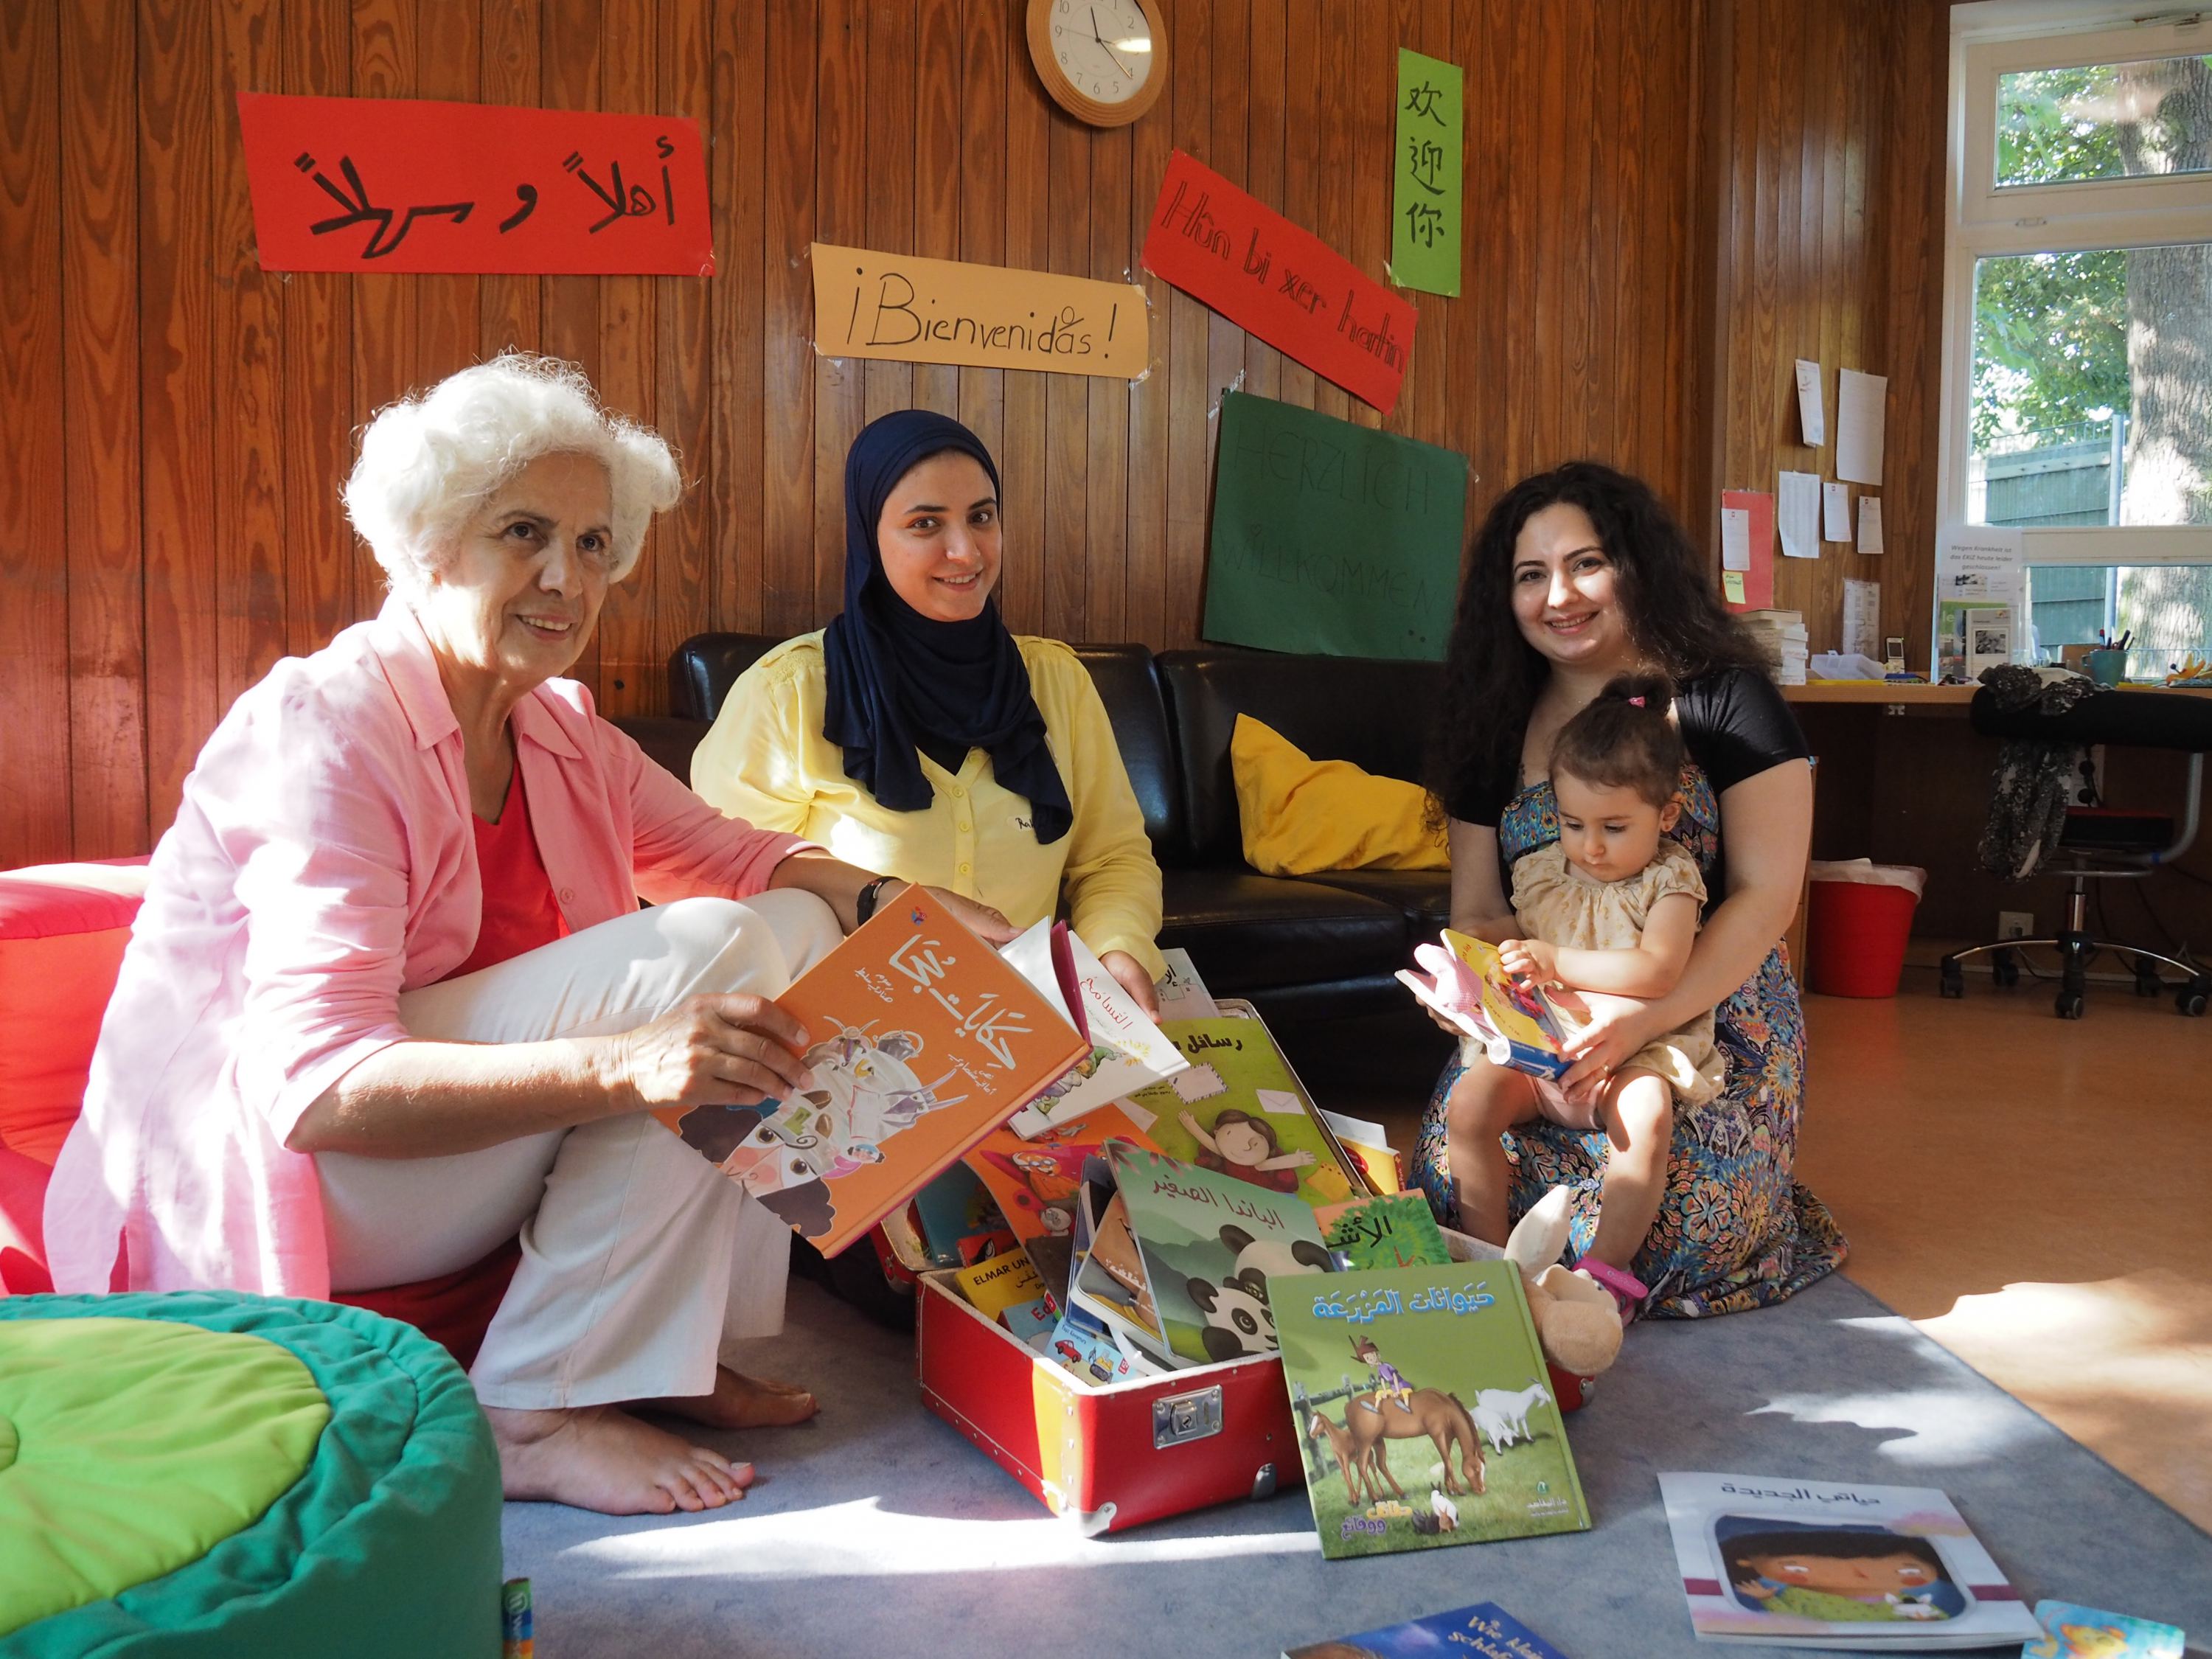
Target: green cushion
<point>387,1541</point>
<point>104,1413</point>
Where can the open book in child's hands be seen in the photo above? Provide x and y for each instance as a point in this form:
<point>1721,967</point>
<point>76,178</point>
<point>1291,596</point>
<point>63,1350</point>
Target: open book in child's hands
<point>1520,1025</point>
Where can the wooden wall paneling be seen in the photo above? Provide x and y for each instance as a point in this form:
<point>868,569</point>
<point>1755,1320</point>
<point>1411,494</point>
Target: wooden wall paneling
<point>682,346</point>
<point>384,322</point>
<point>448,45</point>
<point>1190,398</point>
<point>1265,141</point>
<point>1611,117</point>
<point>100,430</point>
<point>939,136</point>
<point>248,389</point>
<point>1145,539</point>
<point>1367,241</point>
<point>889,179</point>
<point>1022,452</point>
<point>630,676</point>
<point>1690,204</point>
<point>1302,160</point>
<point>1066,397</point>
<point>789,370</point>
<point>508,72</point>
<point>1474,340</point>
<point>840,211</point>
<point>1226,147</point>
<point>1107,483</point>
<point>569,309</point>
<point>35,659</point>
<point>186,666</point>
<point>1334,166</point>
<point>984,36</point>
<point>329,578</point>
<point>729,473</point>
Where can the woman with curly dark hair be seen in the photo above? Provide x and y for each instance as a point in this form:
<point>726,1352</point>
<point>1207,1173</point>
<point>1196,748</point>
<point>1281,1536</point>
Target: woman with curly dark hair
<point>1577,575</point>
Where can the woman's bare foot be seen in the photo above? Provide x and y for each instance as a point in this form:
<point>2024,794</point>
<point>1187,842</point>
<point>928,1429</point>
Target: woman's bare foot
<point>597,1457</point>
<point>741,1403</point>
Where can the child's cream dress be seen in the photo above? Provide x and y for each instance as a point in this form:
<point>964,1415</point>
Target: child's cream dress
<point>1555,900</point>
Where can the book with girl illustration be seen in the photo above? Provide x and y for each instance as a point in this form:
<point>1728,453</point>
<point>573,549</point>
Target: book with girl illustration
<point>1422,1408</point>
<point>1239,1111</point>
<point>1807,1563</point>
<point>921,1040</point>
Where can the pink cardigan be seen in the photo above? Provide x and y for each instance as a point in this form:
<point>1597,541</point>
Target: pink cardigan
<point>321,863</point>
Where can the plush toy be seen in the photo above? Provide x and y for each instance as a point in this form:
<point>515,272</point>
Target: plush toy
<point>1578,1319</point>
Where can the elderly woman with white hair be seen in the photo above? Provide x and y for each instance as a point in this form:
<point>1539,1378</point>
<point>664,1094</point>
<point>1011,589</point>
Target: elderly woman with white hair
<point>390,1000</point>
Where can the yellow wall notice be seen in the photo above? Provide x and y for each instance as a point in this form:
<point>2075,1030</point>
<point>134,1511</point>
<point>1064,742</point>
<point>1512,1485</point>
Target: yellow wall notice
<point>945,310</point>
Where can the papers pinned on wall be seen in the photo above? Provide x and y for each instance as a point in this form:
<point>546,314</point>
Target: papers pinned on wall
<point>1861,402</point>
<point>1800,515</point>
<point>1812,414</point>
<point>1869,523</point>
<point>1835,511</point>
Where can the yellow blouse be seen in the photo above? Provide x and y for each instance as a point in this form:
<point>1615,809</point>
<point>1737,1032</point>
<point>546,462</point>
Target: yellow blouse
<point>767,762</point>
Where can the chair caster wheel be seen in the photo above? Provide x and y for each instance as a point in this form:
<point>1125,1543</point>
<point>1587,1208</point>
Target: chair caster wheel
<point>2149,984</point>
<point>2068,1004</point>
<point>1949,980</point>
<point>2004,968</point>
<point>2188,1001</point>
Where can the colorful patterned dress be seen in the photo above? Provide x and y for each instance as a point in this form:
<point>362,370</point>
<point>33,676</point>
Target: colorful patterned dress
<point>1734,1230</point>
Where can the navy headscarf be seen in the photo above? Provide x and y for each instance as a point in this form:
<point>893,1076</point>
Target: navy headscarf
<point>898,681</point>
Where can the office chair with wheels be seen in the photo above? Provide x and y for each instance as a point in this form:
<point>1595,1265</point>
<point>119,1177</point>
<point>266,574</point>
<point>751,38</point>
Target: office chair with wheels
<point>2101,844</point>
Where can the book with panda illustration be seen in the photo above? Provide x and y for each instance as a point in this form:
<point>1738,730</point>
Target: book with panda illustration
<point>1209,1244</point>
<point>1422,1408</point>
<point>1809,1563</point>
<point>922,1042</point>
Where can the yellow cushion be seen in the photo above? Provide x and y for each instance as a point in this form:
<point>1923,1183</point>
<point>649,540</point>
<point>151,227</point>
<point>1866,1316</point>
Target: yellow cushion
<point>1301,815</point>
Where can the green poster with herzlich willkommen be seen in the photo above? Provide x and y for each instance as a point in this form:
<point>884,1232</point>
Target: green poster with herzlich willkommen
<point>1331,539</point>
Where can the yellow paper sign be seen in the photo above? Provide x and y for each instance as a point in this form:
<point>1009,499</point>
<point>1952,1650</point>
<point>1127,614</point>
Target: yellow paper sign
<point>1732,586</point>
<point>947,311</point>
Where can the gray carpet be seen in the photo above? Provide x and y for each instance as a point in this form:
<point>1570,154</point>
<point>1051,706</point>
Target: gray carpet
<point>880,1530</point>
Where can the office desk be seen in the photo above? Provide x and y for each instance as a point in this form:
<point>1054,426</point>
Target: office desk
<point>1902,779</point>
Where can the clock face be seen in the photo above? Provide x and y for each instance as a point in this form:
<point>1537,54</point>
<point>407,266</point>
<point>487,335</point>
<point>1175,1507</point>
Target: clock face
<point>1103,46</point>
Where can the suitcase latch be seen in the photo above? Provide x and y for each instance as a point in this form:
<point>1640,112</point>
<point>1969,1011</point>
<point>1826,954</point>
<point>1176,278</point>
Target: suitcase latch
<point>1177,1418</point>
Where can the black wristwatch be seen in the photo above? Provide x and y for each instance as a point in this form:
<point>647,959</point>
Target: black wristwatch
<point>865,906</point>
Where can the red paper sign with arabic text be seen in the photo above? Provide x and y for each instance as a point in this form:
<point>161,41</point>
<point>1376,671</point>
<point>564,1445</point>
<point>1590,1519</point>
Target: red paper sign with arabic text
<point>1280,281</point>
<point>404,183</point>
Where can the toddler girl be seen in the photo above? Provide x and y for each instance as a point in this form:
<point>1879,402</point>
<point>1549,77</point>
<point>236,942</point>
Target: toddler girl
<point>1612,906</point>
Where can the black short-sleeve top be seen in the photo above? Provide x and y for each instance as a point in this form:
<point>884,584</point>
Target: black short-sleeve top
<point>1734,725</point>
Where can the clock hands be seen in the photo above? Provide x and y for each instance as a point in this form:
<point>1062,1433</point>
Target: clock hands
<point>1104,47</point>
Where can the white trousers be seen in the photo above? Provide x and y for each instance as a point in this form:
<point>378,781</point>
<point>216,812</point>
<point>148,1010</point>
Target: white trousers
<point>638,1257</point>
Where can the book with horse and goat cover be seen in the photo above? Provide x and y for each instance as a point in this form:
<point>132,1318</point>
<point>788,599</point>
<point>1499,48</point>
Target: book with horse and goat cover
<point>1422,1408</point>
<point>921,1040</point>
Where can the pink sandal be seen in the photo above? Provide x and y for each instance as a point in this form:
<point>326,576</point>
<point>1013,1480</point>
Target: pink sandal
<point>1628,1291</point>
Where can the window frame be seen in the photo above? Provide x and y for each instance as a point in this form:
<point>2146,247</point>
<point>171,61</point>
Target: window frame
<point>1989,39</point>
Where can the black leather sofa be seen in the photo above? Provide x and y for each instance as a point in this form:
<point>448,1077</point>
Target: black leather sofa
<point>1300,948</point>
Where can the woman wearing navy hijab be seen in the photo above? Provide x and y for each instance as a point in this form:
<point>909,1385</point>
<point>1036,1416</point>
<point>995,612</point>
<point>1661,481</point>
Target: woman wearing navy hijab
<point>916,736</point>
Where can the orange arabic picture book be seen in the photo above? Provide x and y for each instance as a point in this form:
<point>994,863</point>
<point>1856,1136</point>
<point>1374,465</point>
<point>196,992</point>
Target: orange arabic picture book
<point>922,1043</point>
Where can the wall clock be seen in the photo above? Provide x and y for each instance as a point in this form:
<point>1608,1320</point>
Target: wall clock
<point>1103,61</point>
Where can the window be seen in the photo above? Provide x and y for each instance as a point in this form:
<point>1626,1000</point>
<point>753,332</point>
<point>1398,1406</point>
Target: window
<point>2078,327</point>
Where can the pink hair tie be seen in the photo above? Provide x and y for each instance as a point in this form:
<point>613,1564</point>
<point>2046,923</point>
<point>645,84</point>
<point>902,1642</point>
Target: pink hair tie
<point>1637,701</point>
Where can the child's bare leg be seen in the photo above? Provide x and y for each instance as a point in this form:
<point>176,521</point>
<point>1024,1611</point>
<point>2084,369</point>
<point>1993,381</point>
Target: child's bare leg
<point>1639,1112</point>
<point>1486,1102</point>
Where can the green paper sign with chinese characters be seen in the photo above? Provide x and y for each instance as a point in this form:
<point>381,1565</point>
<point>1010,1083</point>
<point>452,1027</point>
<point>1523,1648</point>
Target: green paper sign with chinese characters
<point>1331,539</point>
<point>1425,214</point>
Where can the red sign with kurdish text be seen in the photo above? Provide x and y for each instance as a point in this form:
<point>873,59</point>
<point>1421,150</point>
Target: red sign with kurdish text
<point>405,184</point>
<point>1280,281</point>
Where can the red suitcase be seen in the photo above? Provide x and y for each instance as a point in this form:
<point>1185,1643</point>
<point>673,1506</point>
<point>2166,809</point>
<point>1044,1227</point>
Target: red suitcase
<point>1108,1457</point>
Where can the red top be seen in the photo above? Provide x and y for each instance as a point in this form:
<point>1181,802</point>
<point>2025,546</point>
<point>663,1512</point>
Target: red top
<point>519,913</point>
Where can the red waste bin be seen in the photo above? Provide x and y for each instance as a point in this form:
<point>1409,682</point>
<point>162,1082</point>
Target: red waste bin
<point>1859,917</point>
